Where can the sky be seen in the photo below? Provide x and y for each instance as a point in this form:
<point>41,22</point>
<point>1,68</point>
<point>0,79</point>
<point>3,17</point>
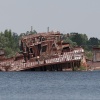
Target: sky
<point>82,16</point>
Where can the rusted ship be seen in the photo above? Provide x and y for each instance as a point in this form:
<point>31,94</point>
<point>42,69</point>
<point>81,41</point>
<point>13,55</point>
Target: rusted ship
<point>43,52</point>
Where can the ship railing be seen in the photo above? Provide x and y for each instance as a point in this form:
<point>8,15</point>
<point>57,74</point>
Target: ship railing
<point>68,56</point>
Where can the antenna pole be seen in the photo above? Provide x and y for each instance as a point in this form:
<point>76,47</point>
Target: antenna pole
<point>47,29</point>
<point>31,29</point>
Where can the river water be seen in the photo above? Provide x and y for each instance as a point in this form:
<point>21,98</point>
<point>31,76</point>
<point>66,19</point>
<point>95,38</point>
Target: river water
<point>50,85</point>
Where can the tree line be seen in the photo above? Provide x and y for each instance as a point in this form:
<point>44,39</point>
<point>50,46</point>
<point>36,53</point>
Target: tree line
<point>79,39</point>
<point>9,41</point>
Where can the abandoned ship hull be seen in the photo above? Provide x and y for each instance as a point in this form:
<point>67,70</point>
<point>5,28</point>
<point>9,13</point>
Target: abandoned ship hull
<point>62,63</point>
<point>61,66</point>
<point>44,52</point>
<point>34,66</point>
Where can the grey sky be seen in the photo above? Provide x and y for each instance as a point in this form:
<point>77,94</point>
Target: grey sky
<point>81,16</point>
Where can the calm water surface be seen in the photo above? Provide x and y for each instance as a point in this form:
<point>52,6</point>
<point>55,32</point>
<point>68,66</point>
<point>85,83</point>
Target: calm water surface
<point>50,85</point>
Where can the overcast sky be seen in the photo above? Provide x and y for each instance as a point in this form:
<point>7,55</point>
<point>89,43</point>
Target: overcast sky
<point>66,16</point>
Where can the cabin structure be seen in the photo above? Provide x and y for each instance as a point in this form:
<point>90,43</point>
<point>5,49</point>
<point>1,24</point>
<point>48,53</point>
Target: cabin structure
<point>96,54</point>
<point>43,46</point>
<point>94,64</point>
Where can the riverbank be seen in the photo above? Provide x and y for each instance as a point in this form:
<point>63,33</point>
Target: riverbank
<point>93,65</point>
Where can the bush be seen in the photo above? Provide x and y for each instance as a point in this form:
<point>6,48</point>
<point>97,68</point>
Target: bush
<point>82,68</point>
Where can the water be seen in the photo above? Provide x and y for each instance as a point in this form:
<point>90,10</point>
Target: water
<point>50,85</point>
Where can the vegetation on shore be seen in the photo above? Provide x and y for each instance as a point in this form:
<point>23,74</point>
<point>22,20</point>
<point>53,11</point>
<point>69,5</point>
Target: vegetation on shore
<point>9,41</point>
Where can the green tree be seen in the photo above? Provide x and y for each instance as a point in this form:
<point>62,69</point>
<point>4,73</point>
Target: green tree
<point>66,39</point>
<point>93,41</point>
<point>9,42</point>
<point>80,39</point>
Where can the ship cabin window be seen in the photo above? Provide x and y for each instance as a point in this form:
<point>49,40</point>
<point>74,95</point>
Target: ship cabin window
<point>66,49</point>
<point>44,48</point>
<point>39,38</point>
<point>53,45</point>
<point>31,50</point>
<point>43,39</point>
